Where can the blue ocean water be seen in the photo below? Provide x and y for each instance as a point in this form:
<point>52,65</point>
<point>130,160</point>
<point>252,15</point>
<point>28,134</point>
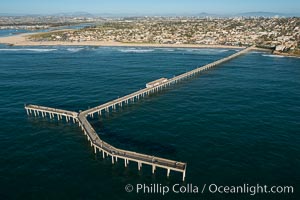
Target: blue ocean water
<point>234,124</point>
<point>10,32</point>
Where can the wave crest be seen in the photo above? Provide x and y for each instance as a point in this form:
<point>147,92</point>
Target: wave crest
<point>274,56</point>
<point>134,50</point>
<point>74,50</point>
<point>34,50</point>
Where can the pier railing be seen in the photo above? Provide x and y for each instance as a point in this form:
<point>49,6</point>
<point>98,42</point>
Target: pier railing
<point>109,150</point>
<point>51,112</point>
<point>111,105</point>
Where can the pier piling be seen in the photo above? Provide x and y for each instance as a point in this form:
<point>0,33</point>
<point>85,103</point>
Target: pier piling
<point>109,150</point>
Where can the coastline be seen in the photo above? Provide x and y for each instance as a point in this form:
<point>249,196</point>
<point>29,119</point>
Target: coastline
<point>22,40</point>
<point>292,55</point>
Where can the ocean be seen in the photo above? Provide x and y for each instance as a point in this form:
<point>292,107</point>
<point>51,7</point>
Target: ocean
<point>235,124</point>
<point>12,32</point>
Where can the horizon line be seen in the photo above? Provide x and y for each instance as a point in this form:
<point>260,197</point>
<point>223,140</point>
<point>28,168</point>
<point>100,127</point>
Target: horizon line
<point>153,14</point>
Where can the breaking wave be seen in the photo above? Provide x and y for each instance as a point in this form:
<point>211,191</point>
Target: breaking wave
<point>204,51</point>
<point>34,50</point>
<point>74,50</point>
<point>166,49</point>
<point>133,50</point>
<point>275,56</point>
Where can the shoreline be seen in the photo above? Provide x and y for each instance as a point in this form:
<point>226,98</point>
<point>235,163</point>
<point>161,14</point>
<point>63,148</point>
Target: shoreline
<point>22,40</point>
<point>286,54</point>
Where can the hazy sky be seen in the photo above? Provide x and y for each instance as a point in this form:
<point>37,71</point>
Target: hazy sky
<point>148,6</point>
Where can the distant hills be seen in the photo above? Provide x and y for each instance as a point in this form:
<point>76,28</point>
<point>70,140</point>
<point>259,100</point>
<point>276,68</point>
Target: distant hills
<point>66,14</point>
<point>201,14</point>
<point>74,14</point>
<point>266,14</point>
<point>249,14</point>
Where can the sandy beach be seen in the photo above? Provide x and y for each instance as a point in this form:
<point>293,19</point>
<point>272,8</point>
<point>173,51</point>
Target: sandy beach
<point>22,40</point>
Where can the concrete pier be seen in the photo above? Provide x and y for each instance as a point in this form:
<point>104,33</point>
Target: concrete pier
<point>43,111</point>
<point>131,98</point>
<point>108,150</point>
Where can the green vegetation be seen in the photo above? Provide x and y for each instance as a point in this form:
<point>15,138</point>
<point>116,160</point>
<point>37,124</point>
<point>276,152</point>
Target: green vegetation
<point>46,35</point>
<point>267,32</point>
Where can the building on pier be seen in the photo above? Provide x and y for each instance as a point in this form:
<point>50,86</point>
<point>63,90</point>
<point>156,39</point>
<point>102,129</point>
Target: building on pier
<point>109,150</point>
<point>156,82</point>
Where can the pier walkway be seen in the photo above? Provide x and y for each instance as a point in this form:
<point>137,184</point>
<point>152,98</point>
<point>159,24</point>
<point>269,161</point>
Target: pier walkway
<point>109,106</point>
<point>51,112</point>
<point>115,153</point>
<point>109,150</point>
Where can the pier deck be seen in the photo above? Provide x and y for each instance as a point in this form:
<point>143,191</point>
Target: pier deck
<point>106,107</point>
<point>113,152</point>
<point>43,111</point>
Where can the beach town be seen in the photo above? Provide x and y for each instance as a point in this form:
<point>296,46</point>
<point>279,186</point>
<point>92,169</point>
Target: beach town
<point>279,34</point>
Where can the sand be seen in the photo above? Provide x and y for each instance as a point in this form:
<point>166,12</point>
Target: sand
<point>22,40</point>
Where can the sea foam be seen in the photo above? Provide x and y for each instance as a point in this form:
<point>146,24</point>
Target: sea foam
<point>34,50</point>
<point>133,50</point>
<point>204,51</point>
<point>74,50</point>
<point>275,56</point>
